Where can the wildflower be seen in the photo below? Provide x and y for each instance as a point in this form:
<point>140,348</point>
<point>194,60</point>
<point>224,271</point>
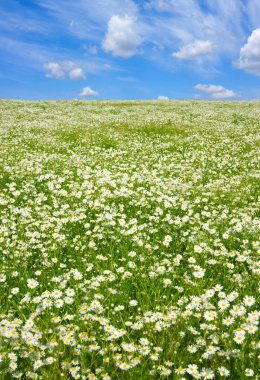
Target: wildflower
<point>69,300</point>
<point>15,290</point>
<point>137,326</point>
<point>211,350</point>
<point>56,294</point>
<point>106,376</point>
<point>154,357</point>
<point>228,321</point>
<point>167,282</point>
<point>249,372</point>
<point>12,356</point>
<point>165,372</point>
<point>144,342</point>
<point>192,349</point>
<point>192,368</point>
<point>31,283</point>
<point>161,269</point>
<point>224,372</point>
<point>210,315</point>
<point>223,304</point>
<point>94,347</point>
<point>74,370</point>
<point>199,274</point>
<point>37,364</point>
<point>13,365</point>
<point>47,303</point>
<point>50,360</point>
<point>251,329</point>
<point>70,292</point>
<point>207,374</point>
<point>124,366</point>
<point>59,303</point>
<point>239,339</point>
<point>167,240</point>
<point>144,350</point>
<point>249,301</point>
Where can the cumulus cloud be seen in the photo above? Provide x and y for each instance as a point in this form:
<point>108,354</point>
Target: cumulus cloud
<point>54,70</point>
<point>161,97</point>
<point>87,91</point>
<point>195,49</point>
<point>122,38</point>
<point>249,59</point>
<point>77,74</point>
<point>60,70</point>
<point>216,92</point>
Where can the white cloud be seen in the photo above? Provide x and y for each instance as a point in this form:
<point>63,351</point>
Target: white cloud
<point>216,92</point>
<point>87,91</point>
<point>60,70</point>
<point>249,59</point>
<point>122,38</point>
<point>197,48</point>
<point>54,70</point>
<point>161,97</point>
<point>77,74</point>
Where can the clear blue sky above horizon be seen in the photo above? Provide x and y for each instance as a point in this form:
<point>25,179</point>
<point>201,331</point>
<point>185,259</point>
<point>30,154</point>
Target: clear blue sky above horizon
<point>130,49</point>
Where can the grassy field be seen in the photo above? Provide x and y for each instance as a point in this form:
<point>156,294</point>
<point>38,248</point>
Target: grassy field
<point>129,240</point>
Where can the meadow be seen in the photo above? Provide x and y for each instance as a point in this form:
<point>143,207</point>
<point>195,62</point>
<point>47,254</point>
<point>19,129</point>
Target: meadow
<point>129,240</point>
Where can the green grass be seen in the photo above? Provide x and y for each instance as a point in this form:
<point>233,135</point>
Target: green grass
<point>124,228</point>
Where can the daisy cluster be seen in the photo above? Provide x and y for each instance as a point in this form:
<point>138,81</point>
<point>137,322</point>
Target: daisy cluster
<point>129,240</point>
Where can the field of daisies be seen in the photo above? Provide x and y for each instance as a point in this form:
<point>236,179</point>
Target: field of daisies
<point>129,240</point>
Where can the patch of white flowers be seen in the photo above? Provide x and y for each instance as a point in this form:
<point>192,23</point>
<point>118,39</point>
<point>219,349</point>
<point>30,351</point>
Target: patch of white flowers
<point>129,240</point>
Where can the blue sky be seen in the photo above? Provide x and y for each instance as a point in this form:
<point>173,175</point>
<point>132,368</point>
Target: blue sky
<point>130,49</point>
